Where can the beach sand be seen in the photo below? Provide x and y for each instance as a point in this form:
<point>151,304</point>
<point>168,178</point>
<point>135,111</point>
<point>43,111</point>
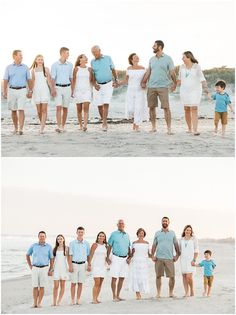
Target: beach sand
<point>119,141</point>
<point>16,294</point>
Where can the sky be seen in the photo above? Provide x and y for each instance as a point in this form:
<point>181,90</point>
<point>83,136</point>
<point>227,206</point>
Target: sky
<point>120,27</point>
<point>59,194</point>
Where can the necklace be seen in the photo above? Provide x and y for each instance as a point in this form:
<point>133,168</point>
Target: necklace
<point>187,71</point>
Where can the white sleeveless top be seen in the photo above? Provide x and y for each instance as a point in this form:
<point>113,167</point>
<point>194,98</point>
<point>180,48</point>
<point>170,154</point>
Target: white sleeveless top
<point>99,261</point>
<point>82,79</point>
<point>41,93</point>
<point>60,266</point>
<point>135,78</point>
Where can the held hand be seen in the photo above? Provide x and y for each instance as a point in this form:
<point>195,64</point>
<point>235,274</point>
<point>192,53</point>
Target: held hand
<point>108,261</point>
<point>173,87</point>
<point>143,85</point>
<point>89,269</point>
<point>29,95</point>
<point>4,94</point>
<point>154,258</point>
<point>175,258</point>
<point>115,84</point>
<point>54,93</point>
<point>50,273</point>
<point>193,263</point>
<point>97,87</point>
<point>71,269</point>
<point>128,260</point>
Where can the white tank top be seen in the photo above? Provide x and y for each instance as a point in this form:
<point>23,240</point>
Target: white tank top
<point>40,82</point>
<point>99,256</point>
<point>83,79</point>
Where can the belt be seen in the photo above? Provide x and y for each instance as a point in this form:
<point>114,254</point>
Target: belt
<point>40,266</point>
<point>104,82</point>
<point>78,262</point>
<point>63,85</point>
<point>17,87</point>
<point>119,256</point>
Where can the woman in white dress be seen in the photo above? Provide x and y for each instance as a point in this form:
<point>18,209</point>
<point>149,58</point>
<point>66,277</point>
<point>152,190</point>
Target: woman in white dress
<point>191,80</point>
<point>189,251</point>
<point>139,265</point>
<point>42,84</point>
<point>60,268</point>
<point>136,102</point>
<point>82,89</point>
<point>97,263</point>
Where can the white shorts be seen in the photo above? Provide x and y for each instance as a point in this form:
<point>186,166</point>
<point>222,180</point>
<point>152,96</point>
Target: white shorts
<point>119,267</point>
<point>39,277</point>
<point>104,95</point>
<point>79,273</point>
<point>63,97</point>
<point>17,99</point>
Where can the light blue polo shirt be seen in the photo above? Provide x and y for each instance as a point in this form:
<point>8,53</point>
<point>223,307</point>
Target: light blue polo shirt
<point>222,102</point>
<point>120,243</point>
<point>209,266</point>
<point>79,250</point>
<point>102,68</point>
<point>62,73</point>
<point>160,71</point>
<point>164,242</point>
<point>17,75</point>
<point>41,253</point>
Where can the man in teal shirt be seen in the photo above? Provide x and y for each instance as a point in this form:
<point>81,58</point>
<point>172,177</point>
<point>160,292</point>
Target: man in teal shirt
<point>119,243</point>
<point>160,76</point>
<point>103,71</point>
<point>163,243</point>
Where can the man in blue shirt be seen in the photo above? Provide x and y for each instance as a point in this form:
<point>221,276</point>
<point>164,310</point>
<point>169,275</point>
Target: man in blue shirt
<point>163,243</point>
<point>119,244</point>
<point>161,75</point>
<point>79,251</point>
<point>15,81</point>
<point>42,256</point>
<point>103,70</point>
<point>62,74</point>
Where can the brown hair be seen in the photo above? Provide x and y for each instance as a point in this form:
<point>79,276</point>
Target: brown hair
<point>159,43</point>
<point>15,52</point>
<point>141,230</point>
<point>130,58</point>
<point>185,228</point>
<point>34,64</point>
<point>77,63</point>
<point>190,56</point>
<point>208,252</point>
<point>57,245</point>
<point>105,240</point>
<point>63,49</point>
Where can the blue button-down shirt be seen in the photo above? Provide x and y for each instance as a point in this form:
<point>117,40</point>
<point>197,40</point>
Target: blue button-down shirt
<point>120,243</point>
<point>160,71</point>
<point>62,73</point>
<point>17,75</point>
<point>42,253</point>
<point>79,250</point>
<point>165,242</point>
<point>102,68</point>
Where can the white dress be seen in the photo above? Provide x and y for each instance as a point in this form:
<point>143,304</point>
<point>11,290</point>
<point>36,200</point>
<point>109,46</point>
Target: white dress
<point>41,92</point>
<point>61,271</point>
<point>139,268</point>
<point>83,88</point>
<point>188,248</point>
<point>136,100</point>
<point>191,87</point>
<point>99,261</point>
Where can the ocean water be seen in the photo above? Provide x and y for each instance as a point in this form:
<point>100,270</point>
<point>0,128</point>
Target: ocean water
<point>117,108</point>
<point>14,249</point>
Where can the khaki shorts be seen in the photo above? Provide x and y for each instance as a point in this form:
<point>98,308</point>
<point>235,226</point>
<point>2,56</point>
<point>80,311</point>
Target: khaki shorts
<point>17,99</point>
<point>208,280</point>
<point>154,93</point>
<point>39,277</point>
<point>221,116</point>
<point>79,273</point>
<point>166,265</point>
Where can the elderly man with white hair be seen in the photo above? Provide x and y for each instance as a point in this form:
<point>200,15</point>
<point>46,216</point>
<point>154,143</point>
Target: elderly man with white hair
<point>103,71</point>
<point>119,243</point>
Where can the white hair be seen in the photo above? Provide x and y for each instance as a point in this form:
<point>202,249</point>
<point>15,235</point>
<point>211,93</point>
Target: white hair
<point>96,47</point>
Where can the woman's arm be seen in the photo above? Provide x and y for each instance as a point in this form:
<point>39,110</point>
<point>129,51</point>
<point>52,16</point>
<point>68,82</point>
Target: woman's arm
<point>73,81</point>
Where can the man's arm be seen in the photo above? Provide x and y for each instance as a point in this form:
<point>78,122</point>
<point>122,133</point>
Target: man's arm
<point>177,249</point>
<point>108,254</point>
<point>146,78</point>
<point>115,84</point>
<point>5,85</point>
<point>29,261</point>
<point>173,78</point>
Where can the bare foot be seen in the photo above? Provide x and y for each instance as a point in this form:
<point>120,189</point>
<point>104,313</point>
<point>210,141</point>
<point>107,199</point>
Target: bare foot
<point>170,133</point>
<point>203,294</point>
<point>39,306</point>
<point>94,302</point>
<point>34,306</point>
<point>20,132</point>
<point>153,130</point>
<point>196,133</point>
<point>189,131</point>
<point>58,130</point>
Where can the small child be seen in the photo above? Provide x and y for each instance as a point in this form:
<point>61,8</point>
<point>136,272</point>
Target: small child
<point>222,102</point>
<point>209,266</point>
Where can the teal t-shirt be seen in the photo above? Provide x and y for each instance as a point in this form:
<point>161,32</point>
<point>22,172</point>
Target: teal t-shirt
<point>209,266</point>
<point>165,242</point>
<point>160,71</point>
<point>222,102</point>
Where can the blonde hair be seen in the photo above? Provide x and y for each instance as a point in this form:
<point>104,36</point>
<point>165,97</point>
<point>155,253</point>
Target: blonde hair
<point>15,52</point>
<point>34,64</point>
<point>77,63</point>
